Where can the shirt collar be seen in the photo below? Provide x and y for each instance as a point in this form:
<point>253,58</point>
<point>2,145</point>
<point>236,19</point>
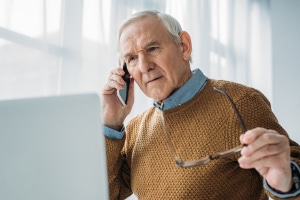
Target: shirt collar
<point>185,93</point>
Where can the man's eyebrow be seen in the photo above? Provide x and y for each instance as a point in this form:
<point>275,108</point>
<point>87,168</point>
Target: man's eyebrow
<point>151,43</point>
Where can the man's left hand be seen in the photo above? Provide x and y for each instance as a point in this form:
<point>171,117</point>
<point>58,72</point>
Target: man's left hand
<point>269,153</point>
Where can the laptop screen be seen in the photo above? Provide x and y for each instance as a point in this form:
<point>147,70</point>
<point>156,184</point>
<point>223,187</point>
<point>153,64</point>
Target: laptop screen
<point>52,148</point>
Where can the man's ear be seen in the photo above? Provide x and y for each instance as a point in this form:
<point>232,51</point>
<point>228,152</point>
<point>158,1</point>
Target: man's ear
<point>186,45</point>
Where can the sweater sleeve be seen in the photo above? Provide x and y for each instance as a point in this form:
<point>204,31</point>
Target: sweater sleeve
<point>118,169</point>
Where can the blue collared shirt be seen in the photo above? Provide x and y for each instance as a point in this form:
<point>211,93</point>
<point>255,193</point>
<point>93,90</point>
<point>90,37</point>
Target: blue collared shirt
<point>194,85</point>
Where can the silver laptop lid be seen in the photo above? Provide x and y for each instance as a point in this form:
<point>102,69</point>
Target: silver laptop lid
<point>52,148</point>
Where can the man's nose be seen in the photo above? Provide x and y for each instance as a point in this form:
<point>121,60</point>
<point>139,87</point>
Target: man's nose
<point>144,63</point>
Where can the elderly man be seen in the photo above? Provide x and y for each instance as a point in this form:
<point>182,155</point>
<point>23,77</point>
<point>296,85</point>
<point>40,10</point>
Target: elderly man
<point>223,136</point>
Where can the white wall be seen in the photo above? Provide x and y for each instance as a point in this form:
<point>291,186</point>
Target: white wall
<point>285,17</point>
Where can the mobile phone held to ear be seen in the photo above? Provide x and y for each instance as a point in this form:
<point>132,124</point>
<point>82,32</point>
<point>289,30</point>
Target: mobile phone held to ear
<point>123,94</point>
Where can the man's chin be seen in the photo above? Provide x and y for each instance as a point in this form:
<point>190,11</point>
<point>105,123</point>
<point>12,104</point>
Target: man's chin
<point>158,94</point>
<point>159,99</point>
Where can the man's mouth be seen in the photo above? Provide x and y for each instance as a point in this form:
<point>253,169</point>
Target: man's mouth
<point>154,79</point>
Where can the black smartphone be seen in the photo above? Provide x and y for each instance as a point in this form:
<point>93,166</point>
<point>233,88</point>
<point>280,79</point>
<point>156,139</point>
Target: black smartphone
<point>123,94</point>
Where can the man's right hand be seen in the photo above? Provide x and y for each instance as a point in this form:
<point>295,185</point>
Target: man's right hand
<point>114,113</point>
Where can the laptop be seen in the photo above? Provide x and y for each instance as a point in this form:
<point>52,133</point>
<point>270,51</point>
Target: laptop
<point>52,148</point>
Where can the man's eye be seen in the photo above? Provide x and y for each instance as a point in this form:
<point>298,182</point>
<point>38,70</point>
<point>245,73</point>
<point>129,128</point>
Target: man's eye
<point>151,49</point>
<point>131,58</point>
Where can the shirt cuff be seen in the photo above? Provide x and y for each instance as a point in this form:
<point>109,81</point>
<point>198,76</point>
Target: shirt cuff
<point>292,193</point>
<point>113,134</point>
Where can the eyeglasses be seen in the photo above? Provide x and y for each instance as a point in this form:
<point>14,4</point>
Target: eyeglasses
<point>204,160</point>
<point>152,51</point>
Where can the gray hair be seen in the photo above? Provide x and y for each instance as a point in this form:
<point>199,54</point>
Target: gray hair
<point>171,24</point>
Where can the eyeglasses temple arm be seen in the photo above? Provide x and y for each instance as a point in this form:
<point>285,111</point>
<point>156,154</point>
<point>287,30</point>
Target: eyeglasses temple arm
<point>227,153</point>
<point>177,159</point>
<point>233,106</point>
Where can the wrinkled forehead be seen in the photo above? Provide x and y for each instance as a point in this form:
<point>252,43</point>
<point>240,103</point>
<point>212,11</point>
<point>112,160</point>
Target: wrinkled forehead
<point>138,34</point>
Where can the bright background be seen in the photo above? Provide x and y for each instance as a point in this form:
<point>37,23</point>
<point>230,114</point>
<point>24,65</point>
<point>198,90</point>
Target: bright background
<point>55,47</point>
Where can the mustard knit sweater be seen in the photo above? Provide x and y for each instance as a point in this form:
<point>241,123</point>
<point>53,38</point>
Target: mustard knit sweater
<point>142,163</point>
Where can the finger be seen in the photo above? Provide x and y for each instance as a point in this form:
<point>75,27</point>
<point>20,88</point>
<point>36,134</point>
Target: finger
<point>114,81</point>
<point>251,135</point>
<point>241,138</point>
<point>263,142</point>
<point>275,162</point>
<point>116,72</point>
<point>265,156</point>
